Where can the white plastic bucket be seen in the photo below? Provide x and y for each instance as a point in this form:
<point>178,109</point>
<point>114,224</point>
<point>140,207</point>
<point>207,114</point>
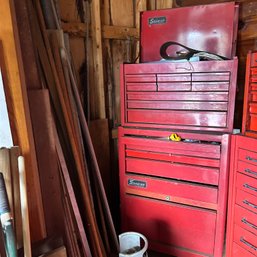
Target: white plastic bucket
<point>133,244</point>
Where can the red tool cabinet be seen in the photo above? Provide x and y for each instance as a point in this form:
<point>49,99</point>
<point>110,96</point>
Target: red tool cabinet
<point>175,193</point>
<point>249,126</point>
<point>242,215</point>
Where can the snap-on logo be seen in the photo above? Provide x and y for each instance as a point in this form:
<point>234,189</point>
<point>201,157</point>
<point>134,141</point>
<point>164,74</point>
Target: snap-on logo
<point>157,20</point>
<point>136,183</point>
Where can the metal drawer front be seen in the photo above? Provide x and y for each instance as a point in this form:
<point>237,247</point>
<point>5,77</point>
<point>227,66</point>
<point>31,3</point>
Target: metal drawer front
<point>171,190</point>
<point>247,156</point>
<point>246,184</point>
<point>247,169</point>
<point>238,251</point>
<point>245,239</point>
<point>171,224</point>
<point>246,219</point>
<point>246,200</point>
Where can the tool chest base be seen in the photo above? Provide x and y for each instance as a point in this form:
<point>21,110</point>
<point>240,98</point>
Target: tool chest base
<point>175,192</point>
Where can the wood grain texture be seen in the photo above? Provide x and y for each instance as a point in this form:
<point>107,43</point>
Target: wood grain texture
<point>17,101</point>
<point>96,29</point>
<point>122,13</point>
<point>14,154</point>
<point>42,121</point>
<point>164,4</point>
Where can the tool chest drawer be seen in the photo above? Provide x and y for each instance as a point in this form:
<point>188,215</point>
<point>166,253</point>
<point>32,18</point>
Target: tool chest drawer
<point>171,190</point>
<point>183,181</point>
<point>179,95</point>
<point>242,210</point>
<point>176,225</point>
<point>246,184</point>
<point>238,251</point>
<point>245,219</point>
<point>245,239</point>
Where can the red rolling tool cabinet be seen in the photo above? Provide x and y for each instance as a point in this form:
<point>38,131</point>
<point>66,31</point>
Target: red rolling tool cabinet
<point>242,214</point>
<point>175,193</point>
<point>211,28</point>
<point>249,126</point>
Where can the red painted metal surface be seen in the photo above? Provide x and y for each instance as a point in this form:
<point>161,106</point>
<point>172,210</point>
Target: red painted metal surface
<point>242,210</point>
<point>249,125</point>
<point>175,192</point>
<point>191,96</point>
<point>211,28</point>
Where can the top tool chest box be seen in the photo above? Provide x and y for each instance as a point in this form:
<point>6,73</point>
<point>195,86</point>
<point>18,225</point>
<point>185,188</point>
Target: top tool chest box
<point>211,28</point>
<point>188,95</point>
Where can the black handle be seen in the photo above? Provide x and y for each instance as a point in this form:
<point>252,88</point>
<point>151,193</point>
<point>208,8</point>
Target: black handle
<point>251,172</point>
<point>249,158</point>
<point>4,204</point>
<point>248,244</point>
<point>250,204</point>
<point>250,187</point>
<point>246,222</point>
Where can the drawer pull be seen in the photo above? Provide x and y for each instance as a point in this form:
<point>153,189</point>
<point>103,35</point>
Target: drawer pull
<point>250,204</point>
<point>251,172</point>
<point>244,220</point>
<point>249,158</point>
<point>250,187</point>
<point>248,244</point>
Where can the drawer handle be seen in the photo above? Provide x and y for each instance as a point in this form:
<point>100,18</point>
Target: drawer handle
<point>251,172</point>
<point>244,220</point>
<point>248,244</point>
<point>250,187</point>
<point>250,204</point>
<point>249,158</point>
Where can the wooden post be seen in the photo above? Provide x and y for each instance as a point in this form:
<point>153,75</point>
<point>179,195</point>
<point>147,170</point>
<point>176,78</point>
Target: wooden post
<point>19,113</point>
<point>98,58</point>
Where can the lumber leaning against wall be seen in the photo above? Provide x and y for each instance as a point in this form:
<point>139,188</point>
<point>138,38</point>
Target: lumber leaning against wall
<point>19,113</point>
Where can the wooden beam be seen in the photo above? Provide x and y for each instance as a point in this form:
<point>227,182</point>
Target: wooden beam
<point>163,4</point>
<point>108,32</point>
<point>98,58</point>
<point>17,102</point>
<point>120,32</point>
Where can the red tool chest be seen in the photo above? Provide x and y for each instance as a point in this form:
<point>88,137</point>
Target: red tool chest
<point>242,215</point>
<point>175,192</point>
<point>188,95</point>
<point>249,126</point>
<point>211,28</point>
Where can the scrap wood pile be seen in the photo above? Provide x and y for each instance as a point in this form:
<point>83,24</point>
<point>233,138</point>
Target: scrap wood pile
<point>62,140</point>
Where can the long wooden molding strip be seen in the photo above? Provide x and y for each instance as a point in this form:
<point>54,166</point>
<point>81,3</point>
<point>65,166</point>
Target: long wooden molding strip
<point>108,32</point>
<point>17,102</point>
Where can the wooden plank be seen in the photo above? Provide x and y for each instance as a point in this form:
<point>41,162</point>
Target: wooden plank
<point>5,168</point>
<point>41,115</point>
<point>122,13</point>
<point>98,58</point>
<point>14,154</point>
<point>108,32</point>
<point>164,4</point>
<point>60,252</point>
<point>17,102</point>
<point>120,32</point>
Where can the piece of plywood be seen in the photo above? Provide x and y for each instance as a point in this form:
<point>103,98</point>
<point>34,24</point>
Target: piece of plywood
<point>164,4</point>
<point>17,102</point>
<point>122,13</point>
<point>41,115</point>
<point>60,252</point>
